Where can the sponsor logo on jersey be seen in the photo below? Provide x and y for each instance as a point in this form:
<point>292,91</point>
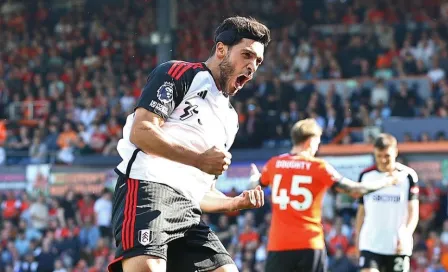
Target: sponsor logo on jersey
<point>159,107</point>
<point>165,92</point>
<point>386,198</point>
<point>189,111</point>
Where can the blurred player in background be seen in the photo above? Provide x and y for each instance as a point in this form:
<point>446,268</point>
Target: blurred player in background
<point>386,219</point>
<point>173,147</point>
<point>299,182</point>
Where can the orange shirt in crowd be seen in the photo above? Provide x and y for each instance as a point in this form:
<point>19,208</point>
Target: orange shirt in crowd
<point>65,138</point>
<point>2,132</point>
<point>11,208</point>
<point>247,237</point>
<point>338,240</point>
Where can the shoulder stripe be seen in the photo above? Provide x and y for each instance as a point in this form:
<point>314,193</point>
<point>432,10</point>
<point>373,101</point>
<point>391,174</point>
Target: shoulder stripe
<point>179,68</point>
<point>365,171</point>
<point>176,70</point>
<point>369,169</point>
<point>173,67</point>
<point>186,68</point>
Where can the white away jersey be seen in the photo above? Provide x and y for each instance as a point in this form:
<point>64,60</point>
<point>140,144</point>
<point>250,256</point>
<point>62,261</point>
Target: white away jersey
<point>197,115</point>
<point>386,210</point>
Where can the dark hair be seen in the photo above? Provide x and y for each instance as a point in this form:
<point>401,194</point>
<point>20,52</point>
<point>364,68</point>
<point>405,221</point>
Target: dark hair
<point>384,141</point>
<point>233,29</point>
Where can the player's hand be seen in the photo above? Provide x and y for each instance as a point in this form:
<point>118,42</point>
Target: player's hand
<point>249,199</point>
<point>214,161</point>
<point>254,176</point>
<point>401,241</point>
<point>394,179</point>
<point>399,247</point>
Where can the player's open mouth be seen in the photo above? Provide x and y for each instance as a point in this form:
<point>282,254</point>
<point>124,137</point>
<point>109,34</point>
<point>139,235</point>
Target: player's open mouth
<point>241,80</point>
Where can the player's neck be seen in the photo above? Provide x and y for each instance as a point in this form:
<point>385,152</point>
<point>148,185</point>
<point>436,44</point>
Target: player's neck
<point>213,65</point>
<point>387,168</point>
<point>298,150</point>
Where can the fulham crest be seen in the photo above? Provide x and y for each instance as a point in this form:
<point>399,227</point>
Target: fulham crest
<point>144,237</point>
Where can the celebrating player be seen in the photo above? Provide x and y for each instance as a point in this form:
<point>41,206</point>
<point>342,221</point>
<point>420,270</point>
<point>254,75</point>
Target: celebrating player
<point>387,219</point>
<point>173,147</point>
<point>299,182</point>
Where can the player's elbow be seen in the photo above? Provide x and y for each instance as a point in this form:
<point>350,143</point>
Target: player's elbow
<point>144,128</point>
<point>356,194</point>
<point>141,134</point>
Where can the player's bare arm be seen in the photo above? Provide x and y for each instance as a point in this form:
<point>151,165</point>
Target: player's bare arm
<point>413,215</point>
<point>215,201</point>
<point>147,135</point>
<point>356,189</point>
<point>413,202</point>
<point>360,214</point>
<point>411,223</point>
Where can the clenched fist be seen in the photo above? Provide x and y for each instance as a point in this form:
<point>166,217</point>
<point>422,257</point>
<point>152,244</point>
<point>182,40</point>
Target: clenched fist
<point>249,199</point>
<point>214,161</point>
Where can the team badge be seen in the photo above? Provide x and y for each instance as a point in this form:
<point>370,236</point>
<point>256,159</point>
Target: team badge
<point>165,92</point>
<point>144,237</point>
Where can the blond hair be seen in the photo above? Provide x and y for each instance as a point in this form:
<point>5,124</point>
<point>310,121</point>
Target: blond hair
<point>305,129</point>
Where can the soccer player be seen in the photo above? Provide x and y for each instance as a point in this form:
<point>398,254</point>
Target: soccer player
<point>174,146</point>
<point>299,182</point>
<point>386,219</point>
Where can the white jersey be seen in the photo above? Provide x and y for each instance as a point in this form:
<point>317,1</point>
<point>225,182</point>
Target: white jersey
<point>386,211</point>
<point>197,115</point>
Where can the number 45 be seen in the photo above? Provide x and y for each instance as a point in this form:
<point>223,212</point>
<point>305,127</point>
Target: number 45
<point>281,197</point>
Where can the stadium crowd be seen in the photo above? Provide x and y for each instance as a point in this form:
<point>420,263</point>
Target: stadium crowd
<point>74,69</point>
<point>77,73</point>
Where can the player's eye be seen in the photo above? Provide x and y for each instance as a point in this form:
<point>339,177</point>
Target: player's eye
<point>246,55</point>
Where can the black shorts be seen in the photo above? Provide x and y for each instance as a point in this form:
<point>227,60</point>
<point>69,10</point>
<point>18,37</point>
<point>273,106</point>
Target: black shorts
<point>384,263</point>
<point>302,260</point>
<point>153,219</point>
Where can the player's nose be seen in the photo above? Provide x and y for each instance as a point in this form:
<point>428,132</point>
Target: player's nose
<point>251,68</point>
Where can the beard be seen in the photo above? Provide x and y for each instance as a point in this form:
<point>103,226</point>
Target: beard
<point>226,69</point>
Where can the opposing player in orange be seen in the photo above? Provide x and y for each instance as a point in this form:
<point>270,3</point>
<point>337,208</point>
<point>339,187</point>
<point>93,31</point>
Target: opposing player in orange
<point>299,182</point>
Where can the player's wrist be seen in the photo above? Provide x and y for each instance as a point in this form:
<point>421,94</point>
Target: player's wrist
<point>233,204</point>
<point>196,160</point>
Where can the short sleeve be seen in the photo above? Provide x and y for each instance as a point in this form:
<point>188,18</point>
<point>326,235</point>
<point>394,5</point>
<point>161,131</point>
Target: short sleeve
<point>265,179</point>
<point>414,188</point>
<point>329,174</point>
<point>361,199</point>
<point>162,93</point>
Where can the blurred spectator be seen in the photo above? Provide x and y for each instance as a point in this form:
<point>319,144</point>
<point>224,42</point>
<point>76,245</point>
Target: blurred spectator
<point>11,207</point>
<point>103,213</point>
<point>89,235</point>
<point>47,257</point>
<point>38,151</point>
<point>340,262</point>
<point>22,244</point>
<point>67,141</point>
<point>39,214</point>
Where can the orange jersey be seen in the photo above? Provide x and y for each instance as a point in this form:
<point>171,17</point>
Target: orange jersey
<point>298,186</point>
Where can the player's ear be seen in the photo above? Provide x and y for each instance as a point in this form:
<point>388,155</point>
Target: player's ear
<point>221,50</point>
<point>308,141</point>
